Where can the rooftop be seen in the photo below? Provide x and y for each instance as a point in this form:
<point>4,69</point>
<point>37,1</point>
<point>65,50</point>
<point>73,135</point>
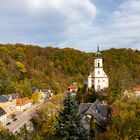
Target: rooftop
<point>22,101</point>
<point>2,112</point>
<point>72,87</point>
<point>136,88</point>
<point>96,109</point>
<point>4,98</point>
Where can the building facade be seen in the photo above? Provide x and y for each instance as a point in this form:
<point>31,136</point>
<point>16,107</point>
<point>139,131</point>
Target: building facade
<point>3,116</point>
<point>23,104</point>
<point>8,103</point>
<point>98,80</point>
<point>136,91</point>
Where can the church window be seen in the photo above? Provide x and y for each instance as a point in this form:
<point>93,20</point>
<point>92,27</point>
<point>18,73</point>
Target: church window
<point>98,64</point>
<point>98,72</point>
<point>98,81</point>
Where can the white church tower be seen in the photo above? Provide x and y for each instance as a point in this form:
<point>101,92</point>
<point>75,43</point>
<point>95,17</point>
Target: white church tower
<point>98,80</point>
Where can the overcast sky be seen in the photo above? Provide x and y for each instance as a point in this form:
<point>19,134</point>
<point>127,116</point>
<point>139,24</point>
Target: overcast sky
<point>80,24</point>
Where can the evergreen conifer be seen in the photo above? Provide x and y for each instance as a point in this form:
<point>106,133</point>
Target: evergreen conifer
<point>69,121</point>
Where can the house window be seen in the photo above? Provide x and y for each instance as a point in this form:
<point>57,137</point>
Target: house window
<point>98,72</point>
<point>98,81</point>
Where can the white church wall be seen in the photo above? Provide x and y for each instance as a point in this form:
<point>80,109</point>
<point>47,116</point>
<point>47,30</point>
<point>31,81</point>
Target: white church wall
<point>100,83</point>
<point>90,81</point>
<point>98,78</point>
<point>98,63</point>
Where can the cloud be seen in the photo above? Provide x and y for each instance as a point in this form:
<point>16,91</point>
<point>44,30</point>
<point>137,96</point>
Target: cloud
<point>75,23</point>
<point>43,21</point>
<point>121,29</point>
<point>126,24</point>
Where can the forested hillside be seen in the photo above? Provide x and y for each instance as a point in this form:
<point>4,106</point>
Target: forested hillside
<point>25,66</point>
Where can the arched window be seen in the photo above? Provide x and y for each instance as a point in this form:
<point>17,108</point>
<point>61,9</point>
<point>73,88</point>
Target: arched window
<point>98,64</point>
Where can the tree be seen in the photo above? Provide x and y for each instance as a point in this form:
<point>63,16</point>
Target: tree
<point>22,69</point>
<point>5,134</point>
<point>69,121</point>
<point>45,120</point>
<point>23,88</point>
<point>6,86</point>
<point>35,97</point>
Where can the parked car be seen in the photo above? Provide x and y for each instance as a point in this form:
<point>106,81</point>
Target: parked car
<point>14,119</point>
<point>8,123</point>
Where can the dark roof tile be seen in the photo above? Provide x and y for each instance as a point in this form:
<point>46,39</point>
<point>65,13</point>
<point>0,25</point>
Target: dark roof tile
<point>4,98</point>
<point>2,112</point>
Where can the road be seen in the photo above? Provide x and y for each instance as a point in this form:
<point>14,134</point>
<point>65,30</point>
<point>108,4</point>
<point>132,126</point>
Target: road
<point>22,118</point>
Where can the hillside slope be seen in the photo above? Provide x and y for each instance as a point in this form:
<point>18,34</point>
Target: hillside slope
<point>26,66</point>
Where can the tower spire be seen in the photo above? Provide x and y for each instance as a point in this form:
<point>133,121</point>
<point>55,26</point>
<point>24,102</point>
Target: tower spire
<point>98,54</point>
<point>98,48</point>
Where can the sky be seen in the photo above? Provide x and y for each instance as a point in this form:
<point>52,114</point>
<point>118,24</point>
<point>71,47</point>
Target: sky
<point>79,24</point>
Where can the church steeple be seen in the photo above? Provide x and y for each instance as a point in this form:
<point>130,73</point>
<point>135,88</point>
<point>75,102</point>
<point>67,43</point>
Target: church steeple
<point>98,48</point>
<point>98,54</point>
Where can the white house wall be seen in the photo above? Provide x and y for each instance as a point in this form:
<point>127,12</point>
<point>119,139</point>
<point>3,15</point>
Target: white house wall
<point>23,107</point>
<point>3,118</point>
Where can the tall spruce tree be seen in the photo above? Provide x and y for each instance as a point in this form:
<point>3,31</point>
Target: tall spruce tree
<point>69,121</point>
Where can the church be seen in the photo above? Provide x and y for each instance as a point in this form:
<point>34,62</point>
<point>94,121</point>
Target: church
<point>98,80</point>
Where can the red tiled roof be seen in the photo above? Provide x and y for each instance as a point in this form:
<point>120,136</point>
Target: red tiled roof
<point>22,101</point>
<point>72,87</point>
<point>136,88</point>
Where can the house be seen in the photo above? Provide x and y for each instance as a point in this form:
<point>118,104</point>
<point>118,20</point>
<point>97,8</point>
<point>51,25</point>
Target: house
<point>4,98</point>
<point>98,80</point>
<point>42,94</point>
<point>23,104</point>
<point>46,93</point>
<point>96,110</point>
<point>3,117</point>
<point>128,93</point>
<point>73,88</point>
<point>136,91</point>
<point>8,103</point>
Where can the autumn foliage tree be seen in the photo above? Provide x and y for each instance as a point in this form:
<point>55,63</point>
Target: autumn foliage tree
<point>22,70</point>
